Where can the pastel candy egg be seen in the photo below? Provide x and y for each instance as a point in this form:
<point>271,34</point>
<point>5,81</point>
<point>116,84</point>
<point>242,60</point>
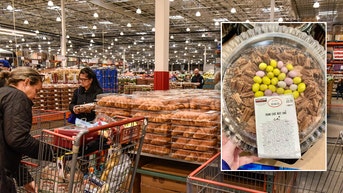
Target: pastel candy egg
<point>293,87</point>
<point>288,81</point>
<point>280,64</point>
<point>268,92</point>
<point>282,84</point>
<point>275,94</point>
<point>292,73</point>
<point>284,69</point>
<point>260,73</point>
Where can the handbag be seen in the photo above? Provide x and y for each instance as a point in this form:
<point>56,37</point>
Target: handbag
<point>72,118</point>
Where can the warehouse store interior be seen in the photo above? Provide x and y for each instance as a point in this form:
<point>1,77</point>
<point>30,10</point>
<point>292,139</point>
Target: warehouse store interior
<point>116,38</point>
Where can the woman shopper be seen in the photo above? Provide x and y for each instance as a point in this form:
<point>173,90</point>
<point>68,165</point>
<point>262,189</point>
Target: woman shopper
<point>86,93</point>
<point>21,86</point>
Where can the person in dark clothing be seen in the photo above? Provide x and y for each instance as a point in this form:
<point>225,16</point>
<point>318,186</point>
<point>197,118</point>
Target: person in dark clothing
<point>21,86</point>
<point>86,93</point>
<point>339,89</point>
<point>197,78</point>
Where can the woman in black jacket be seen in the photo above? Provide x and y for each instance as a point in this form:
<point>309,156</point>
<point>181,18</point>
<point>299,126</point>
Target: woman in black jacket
<point>21,86</point>
<point>86,93</point>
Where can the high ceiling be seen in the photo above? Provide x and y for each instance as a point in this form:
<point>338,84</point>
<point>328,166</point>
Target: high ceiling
<point>137,41</point>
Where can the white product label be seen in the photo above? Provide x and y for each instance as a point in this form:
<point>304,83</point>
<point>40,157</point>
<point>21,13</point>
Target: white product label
<point>276,127</point>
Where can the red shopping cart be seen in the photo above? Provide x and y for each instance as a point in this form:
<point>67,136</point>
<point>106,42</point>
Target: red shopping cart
<point>103,158</point>
<point>209,178</point>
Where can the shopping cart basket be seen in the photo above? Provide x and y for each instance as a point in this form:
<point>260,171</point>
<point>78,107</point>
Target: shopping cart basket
<point>209,178</point>
<point>106,163</point>
<point>47,119</point>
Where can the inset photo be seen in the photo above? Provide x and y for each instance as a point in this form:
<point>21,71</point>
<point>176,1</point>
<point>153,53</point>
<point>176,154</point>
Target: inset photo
<point>273,96</point>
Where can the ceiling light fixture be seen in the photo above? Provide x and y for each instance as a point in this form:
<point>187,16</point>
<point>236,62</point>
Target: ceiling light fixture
<point>121,33</point>
<point>216,23</point>
<point>26,22</point>
<point>153,29</point>
<point>93,35</point>
<point>188,29</point>
<point>138,11</point>
<point>9,7</point>
<point>317,17</point>
<point>198,14</point>
<point>316,4</point>
<point>171,37</point>
<point>17,32</point>
<point>233,10</point>
<point>58,18</point>
<point>128,25</point>
<point>94,27</point>
<point>50,3</point>
<point>280,19</point>
<point>37,31</point>
<point>95,15</point>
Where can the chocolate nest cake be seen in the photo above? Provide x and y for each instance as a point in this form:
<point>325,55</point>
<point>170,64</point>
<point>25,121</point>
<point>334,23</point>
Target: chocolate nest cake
<point>263,44</point>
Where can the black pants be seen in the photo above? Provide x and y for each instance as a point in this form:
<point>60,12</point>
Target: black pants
<point>7,184</point>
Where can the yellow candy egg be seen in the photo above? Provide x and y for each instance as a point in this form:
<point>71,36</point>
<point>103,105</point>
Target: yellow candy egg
<point>274,81</point>
<point>289,67</point>
<point>257,79</point>
<point>296,80</point>
<point>270,74</point>
<point>266,80</point>
<point>276,71</point>
<point>280,90</point>
<point>272,88</point>
<point>301,87</point>
<point>281,76</point>
<point>273,63</point>
<point>263,87</point>
<point>295,94</point>
<point>269,68</point>
<point>288,91</point>
<point>255,87</point>
<point>262,66</point>
<point>259,94</point>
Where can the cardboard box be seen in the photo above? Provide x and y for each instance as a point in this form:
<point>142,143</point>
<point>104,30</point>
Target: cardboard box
<point>147,188</point>
<point>161,185</point>
<point>148,182</point>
